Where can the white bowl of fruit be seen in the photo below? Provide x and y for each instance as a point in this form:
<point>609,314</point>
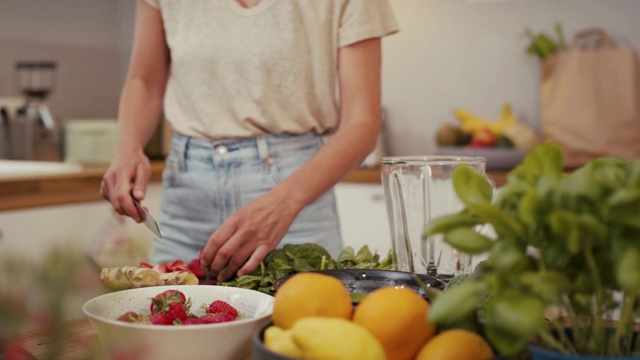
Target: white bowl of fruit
<point>179,321</point>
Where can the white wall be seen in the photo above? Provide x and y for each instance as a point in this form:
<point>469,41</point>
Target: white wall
<point>448,53</point>
<point>460,53</point>
<point>83,36</point>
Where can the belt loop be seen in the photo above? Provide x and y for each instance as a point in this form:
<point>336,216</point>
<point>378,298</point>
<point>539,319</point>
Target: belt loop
<point>182,152</point>
<point>263,153</point>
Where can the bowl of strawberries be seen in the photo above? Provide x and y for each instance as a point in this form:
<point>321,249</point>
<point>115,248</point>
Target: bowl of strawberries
<point>179,321</point>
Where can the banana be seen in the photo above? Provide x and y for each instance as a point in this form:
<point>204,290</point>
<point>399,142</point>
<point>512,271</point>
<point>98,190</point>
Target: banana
<point>470,122</point>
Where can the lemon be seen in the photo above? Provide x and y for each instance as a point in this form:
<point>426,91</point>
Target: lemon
<point>280,341</point>
<point>322,338</point>
<point>310,294</point>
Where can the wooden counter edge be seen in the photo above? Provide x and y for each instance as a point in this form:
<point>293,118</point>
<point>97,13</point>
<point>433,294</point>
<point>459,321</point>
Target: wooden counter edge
<point>31,192</point>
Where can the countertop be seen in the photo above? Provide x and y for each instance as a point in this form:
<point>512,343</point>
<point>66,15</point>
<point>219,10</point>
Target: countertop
<point>81,343</point>
<point>29,192</point>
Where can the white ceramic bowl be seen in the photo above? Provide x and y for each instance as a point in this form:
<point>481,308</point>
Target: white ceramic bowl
<point>230,340</point>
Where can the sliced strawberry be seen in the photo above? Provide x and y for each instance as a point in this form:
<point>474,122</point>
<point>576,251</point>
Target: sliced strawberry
<point>222,307</point>
<point>177,265</point>
<point>216,318</point>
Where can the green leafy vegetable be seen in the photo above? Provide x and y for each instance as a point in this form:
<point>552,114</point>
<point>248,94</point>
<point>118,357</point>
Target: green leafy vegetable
<point>543,45</point>
<point>294,258</point>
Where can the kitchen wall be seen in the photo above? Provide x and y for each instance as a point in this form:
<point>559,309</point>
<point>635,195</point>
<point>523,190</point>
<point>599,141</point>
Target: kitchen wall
<point>470,54</point>
<point>89,39</point>
<point>449,53</point>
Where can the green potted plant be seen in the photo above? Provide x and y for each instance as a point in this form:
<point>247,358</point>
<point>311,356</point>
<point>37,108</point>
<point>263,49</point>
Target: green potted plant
<point>562,268</point>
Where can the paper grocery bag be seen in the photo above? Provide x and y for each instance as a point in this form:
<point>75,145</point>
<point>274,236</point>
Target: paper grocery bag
<point>590,99</point>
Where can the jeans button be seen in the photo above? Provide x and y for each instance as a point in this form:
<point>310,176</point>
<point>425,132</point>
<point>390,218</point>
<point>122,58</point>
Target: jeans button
<point>221,149</point>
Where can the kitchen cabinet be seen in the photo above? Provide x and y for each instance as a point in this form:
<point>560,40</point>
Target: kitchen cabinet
<point>33,231</point>
<point>363,216</point>
<point>31,234</point>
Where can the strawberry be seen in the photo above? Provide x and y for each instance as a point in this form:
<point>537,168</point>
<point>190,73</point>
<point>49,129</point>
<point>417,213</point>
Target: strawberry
<point>196,268</point>
<point>216,318</point>
<point>222,307</point>
<point>159,319</point>
<point>175,313</point>
<point>161,301</point>
<point>130,316</point>
<point>192,321</point>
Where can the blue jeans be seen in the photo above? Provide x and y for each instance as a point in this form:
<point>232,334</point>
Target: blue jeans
<point>205,181</point>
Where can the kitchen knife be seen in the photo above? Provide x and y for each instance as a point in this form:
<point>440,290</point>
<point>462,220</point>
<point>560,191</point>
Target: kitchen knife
<point>147,219</point>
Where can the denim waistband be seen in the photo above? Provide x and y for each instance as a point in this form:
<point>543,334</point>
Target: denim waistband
<point>217,151</point>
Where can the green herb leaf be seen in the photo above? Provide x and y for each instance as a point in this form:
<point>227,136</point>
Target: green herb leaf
<point>503,223</point>
<point>471,186</point>
<point>549,285</point>
<point>455,304</point>
<point>545,159</point>
<point>448,222</point>
<point>468,241</point>
<point>628,270</point>
<point>516,313</point>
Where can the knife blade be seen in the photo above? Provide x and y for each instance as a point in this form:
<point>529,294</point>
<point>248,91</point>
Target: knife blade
<point>147,218</point>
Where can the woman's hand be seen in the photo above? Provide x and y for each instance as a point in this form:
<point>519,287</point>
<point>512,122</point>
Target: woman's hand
<point>249,234</point>
<point>127,176</point>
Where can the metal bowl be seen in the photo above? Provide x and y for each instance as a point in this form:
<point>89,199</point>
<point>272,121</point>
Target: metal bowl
<point>361,282</point>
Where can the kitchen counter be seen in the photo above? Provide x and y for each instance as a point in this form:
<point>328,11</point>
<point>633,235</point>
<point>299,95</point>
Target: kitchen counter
<point>33,191</point>
<point>30,191</point>
<point>81,343</point>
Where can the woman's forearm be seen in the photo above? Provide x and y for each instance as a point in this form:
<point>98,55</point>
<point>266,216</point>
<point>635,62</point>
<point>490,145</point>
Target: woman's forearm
<point>143,93</point>
<point>357,133</point>
<point>139,115</point>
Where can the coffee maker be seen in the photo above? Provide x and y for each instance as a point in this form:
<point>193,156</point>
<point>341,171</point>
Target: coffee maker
<point>34,132</point>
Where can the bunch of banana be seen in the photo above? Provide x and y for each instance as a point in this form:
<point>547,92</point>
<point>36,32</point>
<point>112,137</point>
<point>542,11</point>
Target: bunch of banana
<point>469,122</point>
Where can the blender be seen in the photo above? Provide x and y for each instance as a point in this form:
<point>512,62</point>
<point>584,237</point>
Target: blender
<point>34,131</point>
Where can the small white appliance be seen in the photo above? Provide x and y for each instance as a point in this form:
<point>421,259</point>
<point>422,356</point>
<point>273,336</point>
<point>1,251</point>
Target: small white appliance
<point>90,141</point>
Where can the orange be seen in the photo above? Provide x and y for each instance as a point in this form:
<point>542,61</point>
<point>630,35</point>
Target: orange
<point>310,294</point>
<point>397,317</point>
<point>456,344</point>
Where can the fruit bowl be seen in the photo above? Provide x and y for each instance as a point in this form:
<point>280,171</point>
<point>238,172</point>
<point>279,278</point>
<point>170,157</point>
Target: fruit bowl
<point>228,340</point>
<point>497,158</point>
<point>260,351</point>
<point>360,282</point>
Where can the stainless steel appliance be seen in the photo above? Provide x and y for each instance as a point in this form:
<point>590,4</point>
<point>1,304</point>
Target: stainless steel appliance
<point>34,132</point>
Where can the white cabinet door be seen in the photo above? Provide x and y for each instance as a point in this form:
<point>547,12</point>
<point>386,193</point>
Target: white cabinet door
<point>363,216</point>
<point>31,234</point>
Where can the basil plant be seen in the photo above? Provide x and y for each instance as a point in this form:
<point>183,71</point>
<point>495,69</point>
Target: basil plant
<point>563,242</point>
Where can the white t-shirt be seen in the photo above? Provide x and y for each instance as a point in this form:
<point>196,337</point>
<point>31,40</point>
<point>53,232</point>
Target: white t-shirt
<point>238,72</point>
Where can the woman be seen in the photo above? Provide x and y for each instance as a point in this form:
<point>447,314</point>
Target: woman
<point>250,88</point>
